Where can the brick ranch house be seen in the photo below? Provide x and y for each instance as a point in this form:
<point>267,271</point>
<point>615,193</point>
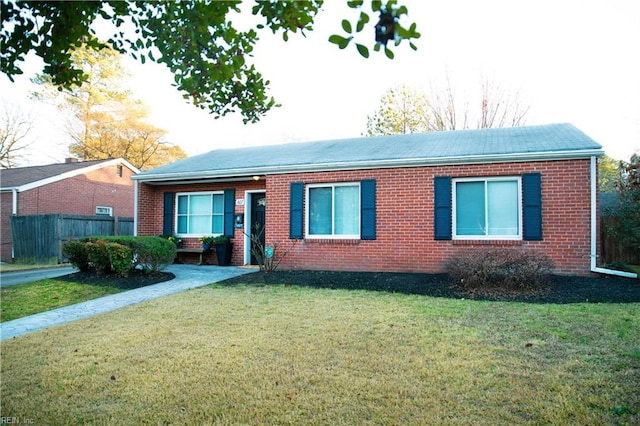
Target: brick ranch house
<point>72,187</point>
<point>404,203</point>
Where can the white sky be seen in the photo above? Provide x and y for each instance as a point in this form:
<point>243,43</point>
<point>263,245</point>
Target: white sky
<point>572,61</point>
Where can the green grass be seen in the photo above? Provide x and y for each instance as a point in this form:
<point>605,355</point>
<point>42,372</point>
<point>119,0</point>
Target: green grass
<point>39,296</point>
<point>292,355</point>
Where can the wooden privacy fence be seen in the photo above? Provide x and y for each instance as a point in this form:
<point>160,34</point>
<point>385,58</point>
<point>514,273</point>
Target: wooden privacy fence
<point>611,249</point>
<point>39,238</point>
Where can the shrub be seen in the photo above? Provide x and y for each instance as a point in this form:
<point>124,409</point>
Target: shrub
<point>76,253</point>
<point>109,257</point>
<point>98,256</point>
<point>150,253</point>
<point>512,269</point>
<point>153,253</point>
<point>119,258</point>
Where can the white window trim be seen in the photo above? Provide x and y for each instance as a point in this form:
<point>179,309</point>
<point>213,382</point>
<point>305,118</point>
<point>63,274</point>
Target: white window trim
<point>331,236</point>
<point>175,215</point>
<point>454,206</point>
<point>108,211</point>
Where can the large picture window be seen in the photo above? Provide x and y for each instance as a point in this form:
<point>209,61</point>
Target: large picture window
<point>333,210</point>
<point>200,213</point>
<point>487,208</point>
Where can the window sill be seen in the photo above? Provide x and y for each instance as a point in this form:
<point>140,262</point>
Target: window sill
<point>335,241</point>
<point>488,242</point>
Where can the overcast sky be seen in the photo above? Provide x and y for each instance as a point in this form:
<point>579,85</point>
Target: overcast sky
<point>572,61</point>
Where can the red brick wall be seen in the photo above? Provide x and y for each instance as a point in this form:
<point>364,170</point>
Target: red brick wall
<point>405,214</point>
<point>76,195</point>
<point>151,206</point>
<point>5,225</point>
<point>404,211</point>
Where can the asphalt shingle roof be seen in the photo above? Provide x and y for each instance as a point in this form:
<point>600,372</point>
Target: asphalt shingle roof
<point>23,175</point>
<point>430,147</point>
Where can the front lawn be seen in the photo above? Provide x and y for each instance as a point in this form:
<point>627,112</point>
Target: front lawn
<point>39,296</point>
<point>275,354</point>
<point>21,300</point>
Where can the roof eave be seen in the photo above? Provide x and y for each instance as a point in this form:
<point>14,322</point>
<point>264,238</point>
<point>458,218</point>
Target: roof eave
<point>72,173</point>
<point>247,173</point>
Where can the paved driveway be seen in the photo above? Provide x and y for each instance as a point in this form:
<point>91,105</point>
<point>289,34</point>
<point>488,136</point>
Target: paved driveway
<point>27,276</point>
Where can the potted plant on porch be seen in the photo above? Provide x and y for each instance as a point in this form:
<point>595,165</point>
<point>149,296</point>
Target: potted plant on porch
<point>207,241</point>
<point>223,249</point>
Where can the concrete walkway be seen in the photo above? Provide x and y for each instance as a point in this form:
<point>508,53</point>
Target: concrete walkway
<point>187,277</point>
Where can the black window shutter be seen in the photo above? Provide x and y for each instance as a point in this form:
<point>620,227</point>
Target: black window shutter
<point>442,207</point>
<point>532,207</point>
<point>368,209</point>
<point>167,215</point>
<point>295,210</point>
<point>229,211</point>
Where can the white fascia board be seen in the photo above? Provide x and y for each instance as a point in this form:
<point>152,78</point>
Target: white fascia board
<point>72,173</point>
<point>247,173</point>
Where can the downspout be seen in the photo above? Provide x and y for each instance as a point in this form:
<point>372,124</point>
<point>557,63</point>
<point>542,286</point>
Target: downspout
<point>135,207</point>
<point>594,229</point>
<point>14,201</point>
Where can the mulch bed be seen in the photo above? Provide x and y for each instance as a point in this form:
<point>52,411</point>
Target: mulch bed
<point>560,289</point>
<point>136,279</point>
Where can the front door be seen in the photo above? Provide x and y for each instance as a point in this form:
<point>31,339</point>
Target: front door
<point>258,207</point>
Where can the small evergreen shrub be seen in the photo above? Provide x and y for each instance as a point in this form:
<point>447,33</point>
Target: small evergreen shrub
<point>119,258</point>
<point>120,254</point>
<point>98,256</point>
<point>502,268</point>
<point>76,253</point>
<point>153,253</point>
<point>107,257</point>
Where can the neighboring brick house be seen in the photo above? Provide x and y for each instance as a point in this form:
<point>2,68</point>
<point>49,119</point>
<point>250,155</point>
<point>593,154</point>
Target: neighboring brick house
<point>73,187</point>
<point>403,203</point>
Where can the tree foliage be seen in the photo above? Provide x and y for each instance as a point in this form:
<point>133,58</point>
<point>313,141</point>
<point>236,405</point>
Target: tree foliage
<point>196,40</point>
<point>105,121</point>
<point>608,174</point>
<point>626,228</point>
<point>402,110</point>
<point>15,125</point>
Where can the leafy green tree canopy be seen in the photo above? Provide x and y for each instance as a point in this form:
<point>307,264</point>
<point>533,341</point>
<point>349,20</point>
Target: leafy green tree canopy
<point>196,40</point>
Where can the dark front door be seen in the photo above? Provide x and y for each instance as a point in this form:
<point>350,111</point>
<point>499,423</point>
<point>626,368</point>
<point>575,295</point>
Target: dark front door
<point>258,207</point>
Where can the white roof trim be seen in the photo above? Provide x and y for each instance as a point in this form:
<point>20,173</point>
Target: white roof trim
<point>72,173</point>
<point>362,165</point>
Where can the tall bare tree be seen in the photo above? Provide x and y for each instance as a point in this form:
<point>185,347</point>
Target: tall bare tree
<point>500,107</point>
<point>106,122</point>
<point>495,107</point>
<point>15,125</point>
<point>406,110</point>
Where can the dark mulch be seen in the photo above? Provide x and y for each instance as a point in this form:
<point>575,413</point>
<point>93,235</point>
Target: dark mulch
<point>561,289</point>
<point>136,279</point>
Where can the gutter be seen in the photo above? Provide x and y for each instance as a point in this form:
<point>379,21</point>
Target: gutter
<point>594,229</point>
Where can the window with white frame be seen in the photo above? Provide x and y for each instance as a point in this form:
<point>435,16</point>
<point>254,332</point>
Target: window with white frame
<point>333,210</point>
<point>200,213</point>
<point>487,208</point>
<point>104,211</point>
